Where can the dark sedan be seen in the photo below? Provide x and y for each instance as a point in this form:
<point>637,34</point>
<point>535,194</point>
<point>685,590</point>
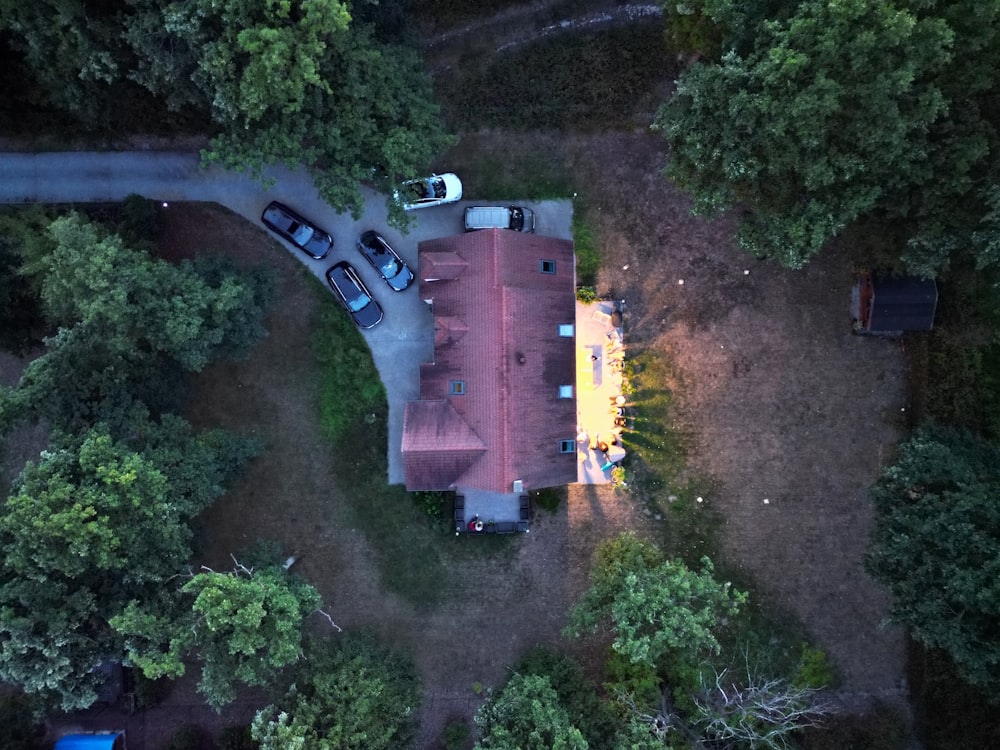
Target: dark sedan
<point>302,233</point>
<point>354,295</point>
<point>385,261</point>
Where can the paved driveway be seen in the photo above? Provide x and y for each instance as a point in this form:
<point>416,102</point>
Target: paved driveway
<point>398,344</point>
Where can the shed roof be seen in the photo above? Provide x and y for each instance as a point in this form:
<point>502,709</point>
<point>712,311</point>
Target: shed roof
<point>902,303</point>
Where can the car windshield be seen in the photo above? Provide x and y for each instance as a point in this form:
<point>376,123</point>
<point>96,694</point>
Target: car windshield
<point>359,303</point>
<point>516,219</point>
<point>438,186</point>
<point>390,267</point>
<point>301,233</point>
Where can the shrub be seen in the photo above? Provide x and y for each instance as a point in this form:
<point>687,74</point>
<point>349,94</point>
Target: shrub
<point>548,498</point>
<point>587,259</point>
<point>814,669</point>
<point>456,735</point>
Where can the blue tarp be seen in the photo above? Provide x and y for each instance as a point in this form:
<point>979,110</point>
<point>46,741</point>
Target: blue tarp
<point>90,742</point>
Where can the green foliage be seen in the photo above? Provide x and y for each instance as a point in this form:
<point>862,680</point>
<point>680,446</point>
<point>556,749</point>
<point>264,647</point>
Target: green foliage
<point>781,123</point>
<point>951,714</point>
<point>189,737</point>
<point>814,669</point>
<point>526,715</point>
<point>577,694</point>
<point>351,391</point>
<point>353,104</point>
<point>128,325</point>
<point>138,221</point>
<point>20,306</point>
<point>588,259</point>
<point>936,546</point>
<point>436,505</point>
<point>586,294</point>
<point>278,81</point>
<point>955,369</point>
<point>236,738</point>
<point>585,80</point>
<point>95,523</point>
<point>548,498</point>
<point>73,52</point>
<point>457,735</point>
<point>18,728</point>
<point>625,677</point>
<point>246,626</point>
<point>351,695</point>
<point>656,607</point>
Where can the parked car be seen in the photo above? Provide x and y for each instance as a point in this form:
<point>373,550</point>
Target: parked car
<point>301,232</point>
<point>385,261</point>
<point>353,294</point>
<point>518,218</point>
<point>429,191</point>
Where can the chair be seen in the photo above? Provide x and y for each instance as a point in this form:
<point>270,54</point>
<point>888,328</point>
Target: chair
<point>459,509</point>
<point>525,507</point>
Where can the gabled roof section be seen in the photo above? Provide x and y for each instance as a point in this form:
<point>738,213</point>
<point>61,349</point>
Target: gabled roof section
<point>441,266</point>
<point>438,446</point>
<point>448,329</point>
<point>510,359</point>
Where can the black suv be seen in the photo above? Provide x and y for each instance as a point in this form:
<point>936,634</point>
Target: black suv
<point>302,233</point>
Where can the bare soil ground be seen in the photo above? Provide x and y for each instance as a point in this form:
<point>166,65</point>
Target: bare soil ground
<point>790,413</point>
<point>781,402</point>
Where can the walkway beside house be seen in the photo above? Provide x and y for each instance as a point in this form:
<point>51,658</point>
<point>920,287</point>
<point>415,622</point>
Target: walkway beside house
<point>600,356</point>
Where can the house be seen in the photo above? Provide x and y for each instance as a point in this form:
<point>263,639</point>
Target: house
<point>888,304</point>
<point>497,411</point>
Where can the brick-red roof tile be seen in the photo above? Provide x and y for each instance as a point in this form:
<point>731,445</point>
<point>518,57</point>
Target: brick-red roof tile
<point>511,358</point>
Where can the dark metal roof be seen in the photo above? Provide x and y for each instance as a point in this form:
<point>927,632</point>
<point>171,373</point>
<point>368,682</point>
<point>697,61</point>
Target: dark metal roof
<point>902,303</point>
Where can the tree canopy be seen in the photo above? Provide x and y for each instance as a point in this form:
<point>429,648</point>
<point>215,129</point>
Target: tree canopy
<point>656,607</point>
<point>815,116</point>
<point>244,625</point>
<point>278,81</point>
<point>526,715</point>
<point>350,695</point>
<point>936,545</point>
<point>127,326</point>
<point>95,523</point>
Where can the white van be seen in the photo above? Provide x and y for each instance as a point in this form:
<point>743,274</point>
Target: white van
<point>518,218</point>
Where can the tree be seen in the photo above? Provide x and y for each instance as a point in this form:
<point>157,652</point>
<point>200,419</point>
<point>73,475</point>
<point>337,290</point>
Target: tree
<point>729,711</point>
<point>656,607</point>
<point>245,626</point>
<point>293,83</point>
<point>782,123</point>
<point>72,47</point>
<point>936,546</point>
<point>128,325</point>
<point>351,695</point>
<point>526,715</point>
<point>95,523</point>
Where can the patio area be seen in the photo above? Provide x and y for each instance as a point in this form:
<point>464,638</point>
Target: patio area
<point>600,401</point>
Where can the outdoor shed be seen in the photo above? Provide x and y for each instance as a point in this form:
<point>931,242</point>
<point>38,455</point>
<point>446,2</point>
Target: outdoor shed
<point>886,304</point>
<point>101,741</point>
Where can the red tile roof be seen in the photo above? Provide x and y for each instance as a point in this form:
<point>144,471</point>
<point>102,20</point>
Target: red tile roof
<point>497,331</point>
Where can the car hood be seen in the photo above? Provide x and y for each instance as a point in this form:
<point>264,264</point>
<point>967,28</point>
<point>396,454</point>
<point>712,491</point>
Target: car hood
<point>368,316</point>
